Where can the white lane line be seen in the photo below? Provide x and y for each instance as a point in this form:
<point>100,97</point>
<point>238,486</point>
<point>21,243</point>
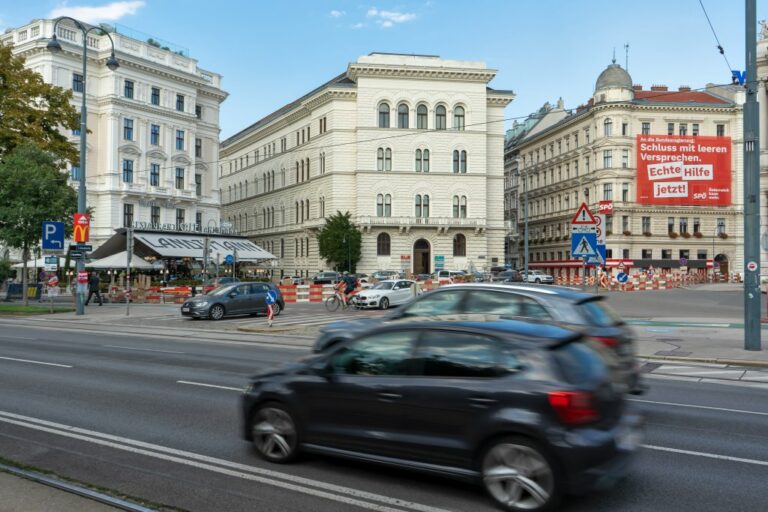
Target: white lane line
<point>706,455</point>
<point>309,486</point>
<point>35,362</point>
<point>694,372</point>
<point>706,407</point>
<point>6,337</point>
<point>146,349</point>
<point>202,384</point>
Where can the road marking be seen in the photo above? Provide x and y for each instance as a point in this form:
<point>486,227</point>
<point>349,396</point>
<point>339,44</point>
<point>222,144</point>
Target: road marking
<point>706,455</point>
<point>202,384</point>
<point>694,371</point>
<point>146,349</point>
<point>308,486</point>
<point>706,407</point>
<point>6,337</point>
<point>36,362</point>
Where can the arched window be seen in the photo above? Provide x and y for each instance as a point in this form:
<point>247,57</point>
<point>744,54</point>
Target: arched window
<point>380,205</point>
<point>383,244</point>
<point>417,206</point>
<point>425,206</point>
<point>246,188</point>
<point>425,160</point>
<point>463,207</point>
<point>608,127</point>
<point>297,171</point>
<point>302,170</point>
<point>456,160</point>
<point>440,122</point>
<point>421,117</point>
<point>296,206</point>
<point>301,211</point>
<point>418,160</point>
<point>402,115</point>
<point>272,216</point>
<point>458,118</point>
<point>282,177</point>
<point>463,161</point>
<point>384,115</point>
<point>455,207</point>
<point>306,209</point>
<point>388,205</point>
<point>307,168</point>
<point>282,215</point>
<point>380,159</point>
<point>459,245</point>
<point>246,221</point>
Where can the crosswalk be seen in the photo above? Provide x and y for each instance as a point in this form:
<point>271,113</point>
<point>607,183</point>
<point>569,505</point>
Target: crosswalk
<point>288,318</point>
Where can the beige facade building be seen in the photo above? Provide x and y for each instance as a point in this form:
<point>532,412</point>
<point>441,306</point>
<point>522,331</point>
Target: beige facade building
<point>410,145</point>
<point>762,76</point>
<point>615,150</point>
<point>154,123</point>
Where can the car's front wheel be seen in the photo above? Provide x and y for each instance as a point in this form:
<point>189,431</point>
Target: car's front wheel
<point>384,303</point>
<point>520,476</point>
<point>274,433</point>
<point>217,312</point>
<point>538,281</point>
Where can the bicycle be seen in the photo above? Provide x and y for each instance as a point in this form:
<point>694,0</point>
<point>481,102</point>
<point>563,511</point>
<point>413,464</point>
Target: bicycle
<point>333,302</point>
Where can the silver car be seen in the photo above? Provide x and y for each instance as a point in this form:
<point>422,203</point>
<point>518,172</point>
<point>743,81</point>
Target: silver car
<point>538,277</point>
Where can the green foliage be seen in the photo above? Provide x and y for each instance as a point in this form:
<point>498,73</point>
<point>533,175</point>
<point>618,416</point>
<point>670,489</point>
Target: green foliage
<point>32,111</point>
<point>5,269</point>
<point>339,241</point>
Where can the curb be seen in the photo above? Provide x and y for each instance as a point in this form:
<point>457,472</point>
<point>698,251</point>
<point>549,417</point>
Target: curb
<point>711,360</point>
<point>267,329</point>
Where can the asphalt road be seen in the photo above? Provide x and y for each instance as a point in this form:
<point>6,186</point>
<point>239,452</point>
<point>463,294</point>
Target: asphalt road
<point>139,415</point>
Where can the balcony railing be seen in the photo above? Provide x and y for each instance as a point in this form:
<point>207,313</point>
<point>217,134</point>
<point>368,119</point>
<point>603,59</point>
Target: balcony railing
<point>441,222</point>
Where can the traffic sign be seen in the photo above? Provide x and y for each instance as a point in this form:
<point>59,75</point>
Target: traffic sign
<point>621,266</point>
<point>439,262</point>
<point>622,277</point>
<point>82,277</point>
<point>82,227</point>
<point>53,236</point>
<point>683,262</point>
<point>51,263</point>
<point>583,216</point>
<point>752,266</point>
<point>75,254</point>
<point>53,281</point>
<point>229,259</point>
<point>81,247</point>
<point>584,244</point>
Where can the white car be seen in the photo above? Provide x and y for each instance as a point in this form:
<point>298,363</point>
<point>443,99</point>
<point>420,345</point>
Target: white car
<point>538,277</point>
<point>383,294</point>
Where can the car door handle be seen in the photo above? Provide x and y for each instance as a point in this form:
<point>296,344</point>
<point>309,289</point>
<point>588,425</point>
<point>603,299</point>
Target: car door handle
<point>479,401</point>
<point>389,396</point>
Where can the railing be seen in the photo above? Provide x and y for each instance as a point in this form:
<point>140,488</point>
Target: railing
<point>421,221</point>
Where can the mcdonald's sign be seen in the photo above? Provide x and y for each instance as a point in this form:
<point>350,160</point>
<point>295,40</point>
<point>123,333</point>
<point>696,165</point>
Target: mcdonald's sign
<point>82,227</point>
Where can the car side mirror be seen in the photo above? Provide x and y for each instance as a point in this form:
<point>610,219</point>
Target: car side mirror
<point>232,295</point>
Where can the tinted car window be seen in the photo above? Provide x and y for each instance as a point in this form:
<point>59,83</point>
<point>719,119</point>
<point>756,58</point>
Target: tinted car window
<point>600,314</point>
<point>437,303</point>
<point>259,288</point>
<point>578,362</point>
<point>379,354</point>
<point>533,309</point>
<point>452,354</point>
<point>243,289</point>
<point>508,304</point>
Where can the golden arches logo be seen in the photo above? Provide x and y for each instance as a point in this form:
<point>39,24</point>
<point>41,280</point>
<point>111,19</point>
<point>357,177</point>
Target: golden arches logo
<point>81,227</point>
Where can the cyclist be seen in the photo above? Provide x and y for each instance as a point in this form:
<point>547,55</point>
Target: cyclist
<point>350,284</point>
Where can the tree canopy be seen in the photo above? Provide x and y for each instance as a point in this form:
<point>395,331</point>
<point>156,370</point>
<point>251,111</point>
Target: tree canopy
<point>339,241</point>
<point>33,111</point>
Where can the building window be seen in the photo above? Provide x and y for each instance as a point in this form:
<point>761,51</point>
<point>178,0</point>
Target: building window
<point>180,180</point>
<point>624,223</point>
<point>459,245</point>
<point>422,206</point>
<point>646,224</point>
<point>666,254</point>
<point>624,158</point>
<point>180,216</point>
<point>721,226</point>
<point>683,129</point>
<point>128,89</point>
<point>128,129</point>
<point>78,84</point>
<point>199,184</point>
<point>180,102</point>
<point>383,245</point>
<point>422,160</point>
<point>696,225</point>
<point>684,253</point>
<point>199,147</point>
<point>647,254</point>
<point>384,205</point>
<point>459,161</point>
<point>74,173</point>
<point>154,175</point>
<point>154,134</point>
<point>155,96</point>
<point>608,223</point>
<point>384,159</point>
<point>198,111</point>
<point>624,129</point>
<point>683,224</point>
<point>670,128</point>
<point>460,207</point>
<point>180,140</point>
<point>607,191</point>
<point>421,117</point>
<point>458,118</point>
<point>625,192</point>
<point>695,129</point>
<point>127,171</point>
<point>199,220</point>
<point>701,254</point>
<point>154,215</point>
<point>402,115</point>
<point>127,215</point>
<point>384,115</point>
<point>607,158</point>
<point>670,224</point>
<point>625,254</point>
<point>720,130</point>
<point>646,129</point>
<point>608,127</point>
<point>440,118</point>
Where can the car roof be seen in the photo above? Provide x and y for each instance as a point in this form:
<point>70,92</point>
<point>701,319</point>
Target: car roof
<point>564,292</point>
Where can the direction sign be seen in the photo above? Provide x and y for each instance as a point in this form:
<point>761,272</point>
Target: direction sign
<point>229,259</point>
<point>622,277</point>
<point>584,244</point>
<point>583,216</point>
<point>53,236</point>
<point>81,247</point>
<point>75,254</point>
<point>683,262</point>
<point>51,263</point>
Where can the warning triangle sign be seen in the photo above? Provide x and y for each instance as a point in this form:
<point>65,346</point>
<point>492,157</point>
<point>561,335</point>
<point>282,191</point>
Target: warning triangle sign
<point>584,248</point>
<point>583,216</point>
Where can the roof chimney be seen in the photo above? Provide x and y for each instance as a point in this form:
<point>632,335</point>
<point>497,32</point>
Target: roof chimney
<point>659,88</point>
<point>684,88</point>
<point>637,87</point>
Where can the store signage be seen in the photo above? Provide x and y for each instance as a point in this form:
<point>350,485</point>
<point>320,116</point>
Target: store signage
<point>683,170</point>
<point>82,227</point>
<point>187,228</point>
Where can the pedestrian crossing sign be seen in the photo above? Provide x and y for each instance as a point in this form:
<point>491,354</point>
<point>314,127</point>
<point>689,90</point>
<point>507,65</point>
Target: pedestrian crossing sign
<point>584,244</point>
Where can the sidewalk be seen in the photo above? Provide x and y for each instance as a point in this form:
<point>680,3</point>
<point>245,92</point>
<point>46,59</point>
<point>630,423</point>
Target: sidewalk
<point>22,495</point>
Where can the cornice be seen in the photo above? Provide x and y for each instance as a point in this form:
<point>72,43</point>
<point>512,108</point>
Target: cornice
<point>354,71</point>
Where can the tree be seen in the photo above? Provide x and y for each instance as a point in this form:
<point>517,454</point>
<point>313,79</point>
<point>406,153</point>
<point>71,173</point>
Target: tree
<point>33,111</point>
<point>32,190</point>
<point>339,241</point>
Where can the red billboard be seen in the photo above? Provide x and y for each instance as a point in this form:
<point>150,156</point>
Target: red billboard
<point>684,170</point>
<point>82,227</point>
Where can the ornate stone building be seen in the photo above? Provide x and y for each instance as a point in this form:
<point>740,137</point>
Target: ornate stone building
<point>410,145</point>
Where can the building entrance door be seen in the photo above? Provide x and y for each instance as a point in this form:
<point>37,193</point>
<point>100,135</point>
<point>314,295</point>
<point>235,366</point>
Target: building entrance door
<point>722,261</point>
<point>421,257</point>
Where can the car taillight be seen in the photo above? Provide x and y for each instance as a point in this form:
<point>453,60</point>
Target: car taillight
<point>573,407</point>
<point>606,340</point>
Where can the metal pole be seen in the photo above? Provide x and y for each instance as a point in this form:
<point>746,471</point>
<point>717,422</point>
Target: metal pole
<point>525,235</point>
<point>751,188</point>
<point>129,253</point>
<point>81,207</point>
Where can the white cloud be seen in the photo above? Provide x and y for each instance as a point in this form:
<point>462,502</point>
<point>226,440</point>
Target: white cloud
<point>358,25</point>
<point>109,12</point>
<point>337,14</point>
<point>387,19</point>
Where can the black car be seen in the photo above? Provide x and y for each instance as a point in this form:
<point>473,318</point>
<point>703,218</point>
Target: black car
<point>326,278</point>
<point>585,312</point>
<point>233,299</point>
<point>530,411</point>
<point>508,276</point>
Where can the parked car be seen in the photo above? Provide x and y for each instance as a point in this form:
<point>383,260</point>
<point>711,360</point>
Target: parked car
<point>381,275</point>
<point>384,294</point>
<point>326,278</point>
<point>538,277</point>
<point>295,279</point>
<point>233,299</point>
<point>528,411</point>
<point>218,281</point>
<point>584,312</point>
<point>509,276</point>
<point>425,277</point>
<point>450,274</point>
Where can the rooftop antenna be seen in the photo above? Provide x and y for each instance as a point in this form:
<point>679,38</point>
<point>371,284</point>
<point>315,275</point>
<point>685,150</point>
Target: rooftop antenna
<point>626,56</point>
<point>613,61</point>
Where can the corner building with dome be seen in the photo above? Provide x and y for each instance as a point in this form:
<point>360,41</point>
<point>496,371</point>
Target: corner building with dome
<point>411,145</point>
<point>616,152</point>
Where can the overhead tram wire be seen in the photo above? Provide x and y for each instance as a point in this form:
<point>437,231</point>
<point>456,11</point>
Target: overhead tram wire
<point>714,33</point>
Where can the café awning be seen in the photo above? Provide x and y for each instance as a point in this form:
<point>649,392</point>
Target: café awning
<point>172,245</point>
<point>120,260</point>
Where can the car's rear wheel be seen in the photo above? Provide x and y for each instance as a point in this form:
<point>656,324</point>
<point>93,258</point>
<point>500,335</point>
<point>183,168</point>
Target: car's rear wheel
<point>274,433</point>
<point>520,476</point>
<point>384,303</point>
<point>538,281</point>
<point>276,309</point>
<point>217,312</point>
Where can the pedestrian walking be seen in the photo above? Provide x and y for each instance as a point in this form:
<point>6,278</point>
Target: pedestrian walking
<point>94,284</point>
<point>271,300</point>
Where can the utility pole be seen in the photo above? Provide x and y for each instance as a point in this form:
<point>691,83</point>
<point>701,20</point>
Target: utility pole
<point>128,255</point>
<point>751,188</point>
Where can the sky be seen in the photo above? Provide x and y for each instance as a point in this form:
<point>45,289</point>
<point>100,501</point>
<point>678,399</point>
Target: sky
<point>271,53</point>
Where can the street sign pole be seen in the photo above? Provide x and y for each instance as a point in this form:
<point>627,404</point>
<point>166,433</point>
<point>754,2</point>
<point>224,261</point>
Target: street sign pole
<point>128,254</point>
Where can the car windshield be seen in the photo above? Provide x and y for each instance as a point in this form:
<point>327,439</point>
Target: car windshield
<point>383,286</point>
<point>599,313</point>
<point>220,290</point>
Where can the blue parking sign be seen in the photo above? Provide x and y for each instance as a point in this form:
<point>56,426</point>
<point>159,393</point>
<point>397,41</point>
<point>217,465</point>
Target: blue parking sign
<point>53,236</point>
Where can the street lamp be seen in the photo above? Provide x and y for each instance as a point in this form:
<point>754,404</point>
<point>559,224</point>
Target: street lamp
<point>54,46</point>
